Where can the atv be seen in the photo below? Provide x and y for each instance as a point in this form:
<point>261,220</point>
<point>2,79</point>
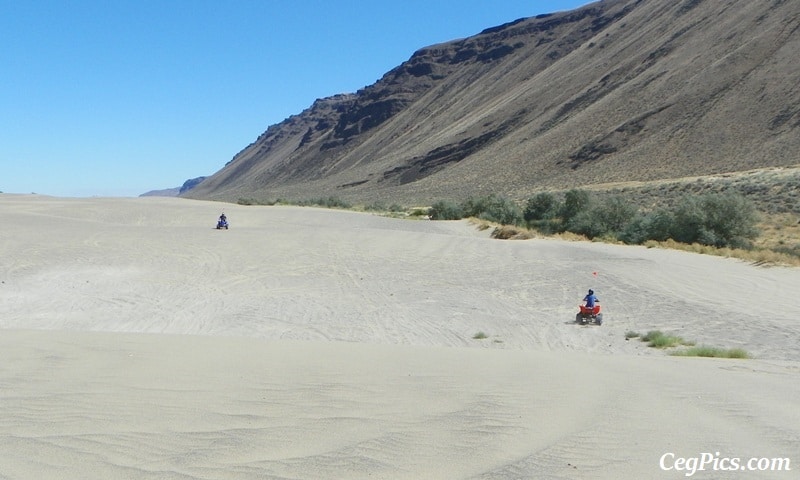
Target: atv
<point>222,224</point>
<point>589,315</point>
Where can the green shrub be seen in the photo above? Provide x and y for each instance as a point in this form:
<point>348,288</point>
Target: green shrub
<point>689,225</point>
<point>652,226</point>
<point>575,202</point>
<point>547,227</point>
<point>493,208</point>
<point>614,213</point>
<point>542,206</point>
<point>327,202</point>
<point>609,217</point>
<point>635,233</point>
<point>445,210</point>
<point>720,220</point>
<point>585,223</point>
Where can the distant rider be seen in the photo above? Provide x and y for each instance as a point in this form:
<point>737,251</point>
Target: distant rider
<point>223,218</point>
<point>590,299</point>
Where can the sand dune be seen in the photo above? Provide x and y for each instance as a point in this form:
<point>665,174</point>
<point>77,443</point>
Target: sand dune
<point>139,342</point>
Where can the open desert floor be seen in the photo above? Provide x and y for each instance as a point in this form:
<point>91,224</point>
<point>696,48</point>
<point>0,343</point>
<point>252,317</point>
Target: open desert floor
<point>138,342</point>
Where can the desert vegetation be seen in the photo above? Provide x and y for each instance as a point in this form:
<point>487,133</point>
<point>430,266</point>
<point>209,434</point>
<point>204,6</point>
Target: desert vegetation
<point>712,352</point>
<point>492,208</point>
<point>325,202</point>
<point>661,340</point>
<point>750,216</point>
<point>715,219</point>
<point>721,222</point>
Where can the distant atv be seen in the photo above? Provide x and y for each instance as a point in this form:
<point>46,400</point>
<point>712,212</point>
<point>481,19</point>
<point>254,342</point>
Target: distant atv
<point>589,315</point>
<point>222,224</point>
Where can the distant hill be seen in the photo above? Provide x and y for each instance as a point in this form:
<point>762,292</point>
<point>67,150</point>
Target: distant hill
<point>174,192</point>
<point>167,192</point>
<point>619,90</point>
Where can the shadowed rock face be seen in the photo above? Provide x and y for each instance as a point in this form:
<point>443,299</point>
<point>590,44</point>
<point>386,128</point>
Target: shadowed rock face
<point>191,183</point>
<point>617,90</point>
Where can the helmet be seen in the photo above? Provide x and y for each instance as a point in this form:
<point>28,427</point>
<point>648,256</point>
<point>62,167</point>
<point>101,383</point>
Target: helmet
<point>591,292</point>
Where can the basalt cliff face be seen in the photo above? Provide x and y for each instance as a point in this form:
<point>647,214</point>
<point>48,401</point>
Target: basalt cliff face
<point>618,90</point>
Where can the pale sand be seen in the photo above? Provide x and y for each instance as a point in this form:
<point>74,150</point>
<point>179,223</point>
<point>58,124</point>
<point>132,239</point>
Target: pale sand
<point>315,344</point>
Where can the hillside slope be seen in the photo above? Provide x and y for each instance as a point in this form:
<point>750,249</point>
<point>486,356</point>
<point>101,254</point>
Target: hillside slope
<point>619,90</point>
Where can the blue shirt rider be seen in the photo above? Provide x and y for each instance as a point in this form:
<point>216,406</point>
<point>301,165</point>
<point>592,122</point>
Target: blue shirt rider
<point>590,299</point>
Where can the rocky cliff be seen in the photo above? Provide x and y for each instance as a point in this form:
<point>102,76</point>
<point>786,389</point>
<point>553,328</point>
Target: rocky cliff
<point>618,90</point>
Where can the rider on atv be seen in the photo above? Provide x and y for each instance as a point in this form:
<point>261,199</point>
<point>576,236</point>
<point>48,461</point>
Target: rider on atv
<point>590,310</point>
<point>222,222</point>
<point>590,299</point>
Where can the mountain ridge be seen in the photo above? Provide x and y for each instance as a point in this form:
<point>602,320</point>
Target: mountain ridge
<point>618,90</point>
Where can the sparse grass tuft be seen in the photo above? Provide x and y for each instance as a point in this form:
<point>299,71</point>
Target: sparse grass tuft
<point>418,212</point>
<point>658,339</point>
<point>480,336</point>
<point>511,232</point>
<point>712,352</point>
<point>758,256</point>
<point>481,225</point>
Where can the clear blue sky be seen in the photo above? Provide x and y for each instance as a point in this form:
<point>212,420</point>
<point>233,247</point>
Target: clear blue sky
<point>118,97</point>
